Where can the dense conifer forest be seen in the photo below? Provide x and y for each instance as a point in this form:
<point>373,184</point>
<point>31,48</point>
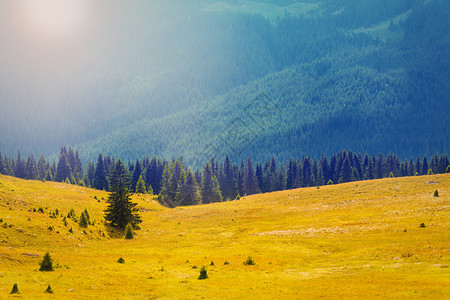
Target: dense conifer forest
<point>177,184</point>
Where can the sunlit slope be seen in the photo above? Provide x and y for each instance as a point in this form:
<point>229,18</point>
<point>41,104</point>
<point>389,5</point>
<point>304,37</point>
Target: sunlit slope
<point>355,240</point>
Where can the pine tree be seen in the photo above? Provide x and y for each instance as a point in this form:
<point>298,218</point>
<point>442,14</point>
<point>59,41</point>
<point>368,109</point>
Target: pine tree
<point>63,169</point>
<point>42,168</point>
<point>210,186</point>
<point>15,289</point>
<point>83,220</point>
<point>46,263</point>
<point>129,234</point>
<point>251,184</point>
<point>189,192</point>
<point>346,173</point>
<point>20,166</point>
<point>100,182</point>
<point>229,189</point>
<point>121,210</point>
<point>136,176</point>
<point>140,186</point>
<point>424,165</point>
<point>30,168</point>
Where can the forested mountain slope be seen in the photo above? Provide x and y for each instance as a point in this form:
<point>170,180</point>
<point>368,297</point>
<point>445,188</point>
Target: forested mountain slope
<point>345,91</point>
<point>172,79</point>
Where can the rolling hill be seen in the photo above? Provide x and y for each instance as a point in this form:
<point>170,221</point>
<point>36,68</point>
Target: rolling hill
<point>360,239</point>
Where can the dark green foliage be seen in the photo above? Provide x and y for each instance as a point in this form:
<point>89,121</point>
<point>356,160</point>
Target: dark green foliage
<point>49,290</point>
<point>212,263</point>
<point>140,186</point>
<point>46,263</point>
<point>422,225</point>
<point>72,214</point>
<point>129,234</point>
<point>203,274</point>
<point>249,262</point>
<point>121,261</point>
<point>100,181</point>
<point>436,193</point>
<point>83,220</point>
<point>88,217</point>
<point>210,186</point>
<point>121,210</point>
<point>430,171</point>
<point>15,289</point>
<point>226,263</point>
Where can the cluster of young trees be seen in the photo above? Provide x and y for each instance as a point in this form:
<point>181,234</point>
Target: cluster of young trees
<point>177,184</point>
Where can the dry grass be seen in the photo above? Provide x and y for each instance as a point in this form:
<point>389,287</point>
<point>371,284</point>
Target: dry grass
<point>341,241</point>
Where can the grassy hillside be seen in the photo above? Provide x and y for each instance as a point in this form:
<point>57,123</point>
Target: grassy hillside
<point>354,240</point>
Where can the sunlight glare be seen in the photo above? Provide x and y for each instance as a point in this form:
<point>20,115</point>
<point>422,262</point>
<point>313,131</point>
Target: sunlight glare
<point>53,18</point>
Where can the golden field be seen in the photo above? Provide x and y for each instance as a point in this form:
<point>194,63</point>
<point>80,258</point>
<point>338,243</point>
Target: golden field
<point>354,240</point>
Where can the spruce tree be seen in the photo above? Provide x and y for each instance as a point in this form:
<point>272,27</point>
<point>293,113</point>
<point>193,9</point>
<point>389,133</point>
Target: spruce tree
<point>189,192</point>
<point>210,186</point>
<point>63,169</point>
<point>140,185</point>
<point>15,289</point>
<point>121,210</point>
<point>20,166</point>
<point>83,220</point>
<point>46,263</point>
<point>346,173</point>
<point>100,182</point>
<point>129,234</point>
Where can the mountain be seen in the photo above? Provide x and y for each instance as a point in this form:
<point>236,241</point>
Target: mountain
<point>247,78</point>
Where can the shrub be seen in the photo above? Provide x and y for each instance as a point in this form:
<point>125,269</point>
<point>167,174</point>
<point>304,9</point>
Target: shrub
<point>330,182</point>
<point>422,225</point>
<point>249,261</point>
<point>15,289</point>
<point>49,290</point>
<point>203,274</point>
<point>430,171</point>
<point>238,197</point>
<point>129,232</point>
<point>391,175</point>
<point>121,261</point>
<point>46,263</point>
<point>436,193</point>
<point>226,262</point>
<point>212,263</point>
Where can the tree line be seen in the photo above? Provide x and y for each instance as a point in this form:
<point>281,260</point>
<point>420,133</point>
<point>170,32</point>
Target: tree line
<point>177,184</point>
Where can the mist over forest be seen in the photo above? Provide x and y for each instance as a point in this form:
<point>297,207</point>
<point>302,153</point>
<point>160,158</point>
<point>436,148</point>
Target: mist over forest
<point>169,78</point>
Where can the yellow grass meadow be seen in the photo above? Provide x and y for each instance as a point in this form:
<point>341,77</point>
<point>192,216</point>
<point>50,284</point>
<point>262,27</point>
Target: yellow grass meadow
<point>355,240</point>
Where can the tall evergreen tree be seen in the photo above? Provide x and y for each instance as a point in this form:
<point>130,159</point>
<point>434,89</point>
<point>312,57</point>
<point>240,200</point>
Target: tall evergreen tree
<point>346,172</point>
<point>189,192</point>
<point>42,167</point>
<point>30,168</point>
<point>424,165</point>
<point>229,189</point>
<point>140,186</point>
<point>251,184</point>
<point>210,186</point>
<point>121,210</point>
<point>136,174</point>
<point>19,170</point>
<point>100,181</point>
<point>63,169</point>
